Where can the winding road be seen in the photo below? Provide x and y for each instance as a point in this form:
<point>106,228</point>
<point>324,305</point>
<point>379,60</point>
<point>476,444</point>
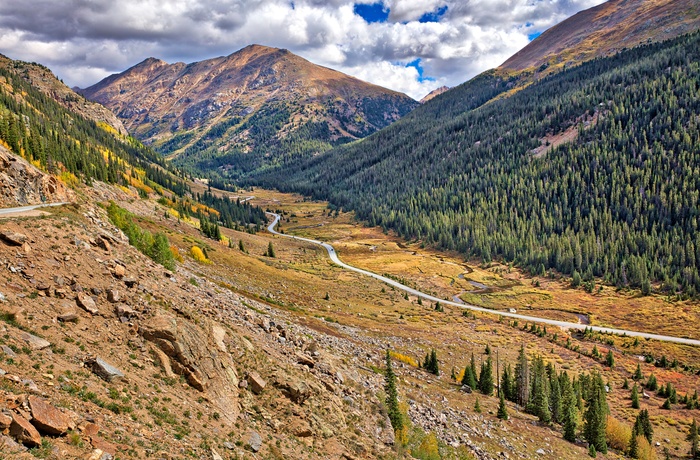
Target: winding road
<point>564,324</point>
<point>28,208</point>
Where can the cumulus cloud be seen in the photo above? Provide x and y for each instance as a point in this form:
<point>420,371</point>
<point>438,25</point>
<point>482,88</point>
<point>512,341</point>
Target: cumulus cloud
<point>84,41</point>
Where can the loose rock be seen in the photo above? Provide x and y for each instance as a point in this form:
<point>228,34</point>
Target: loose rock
<point>86,302</point>
<point>257,383</point>
<point>254,441</point>
<point>103,369</point>
<point>46,418</point>
<point>24,432</point>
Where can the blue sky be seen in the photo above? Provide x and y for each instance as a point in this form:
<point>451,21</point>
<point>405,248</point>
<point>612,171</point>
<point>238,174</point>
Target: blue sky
<point>412,46</point>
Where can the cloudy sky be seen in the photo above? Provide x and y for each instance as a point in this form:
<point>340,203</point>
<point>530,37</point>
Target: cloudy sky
<point>413,46</point>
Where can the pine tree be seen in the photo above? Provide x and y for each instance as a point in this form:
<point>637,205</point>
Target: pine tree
<point>610,359</point>
<point>642,425</point>
<point>502,409</point>
<point>591,451</point>
<point>694,439</point>
<point>652,384</point>
<point>638,373</point>
<point>539,392</point>
<point>633,447</point>
<point>625,384</point>
<point>507,383</point>
<point>555,397</point>
<point>270,250</point>
<point>240,246</point>
<point>522,378</point>
<point>486,377</point>
<point>595,416</point>
<point>469,378</point>
<point>569,409</point>
<point>635,397</point>
<point>477,406</point>
<point>392,397</point>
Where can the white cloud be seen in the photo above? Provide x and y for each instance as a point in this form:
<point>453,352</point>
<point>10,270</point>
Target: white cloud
<point>85,41</point>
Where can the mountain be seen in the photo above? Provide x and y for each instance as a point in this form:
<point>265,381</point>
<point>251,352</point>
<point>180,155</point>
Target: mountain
<point>434,93</point>
<point>592,170</point>
<point>257,107</point>
<point>606,29</point>
<point>43,80</point>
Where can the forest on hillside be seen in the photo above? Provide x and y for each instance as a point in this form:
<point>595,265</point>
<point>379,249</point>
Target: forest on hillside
<point>619,202</point>
<point>74,148</point>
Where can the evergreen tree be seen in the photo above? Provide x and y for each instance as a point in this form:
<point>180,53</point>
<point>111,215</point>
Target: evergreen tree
<point>610,359</point>
<point>507,384</point>
<point>625,384</point>
<point>555,397</point>
<point>502,409</point>
<point>240,246</point>
<point>486,377</point>
<point>469,378</point>
<point>569,409</point>
<point>270,250</point>
<point>638,373</point>
<point>635,397</point>
<point>633,447</point>
<point>694,439</point>
<point>591,451</point>
<point>539,391</point>
<point>595,417</point>
<point>642,425</point>
<point>522,378</point>
<point>392,397</point>
<point>652,384</point>
<point>477,406</point>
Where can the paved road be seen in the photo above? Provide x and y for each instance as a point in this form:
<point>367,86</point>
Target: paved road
<point>334,258</point>
<point>28,208</point>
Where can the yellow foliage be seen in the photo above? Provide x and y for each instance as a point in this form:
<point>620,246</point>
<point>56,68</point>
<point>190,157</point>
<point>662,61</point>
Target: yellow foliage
<point>176,253</point>
<point>36,164</point>
<point>404,358</point>
<point>644,449</point>
<point>198,255</point>
<point>109,128</point>
<point>428,448</point>
<point>68,178</point>
<point>617,434</point>
<point>460,374</point>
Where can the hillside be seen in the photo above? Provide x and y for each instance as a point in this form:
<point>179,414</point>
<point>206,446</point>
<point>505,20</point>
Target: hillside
<point>592,172</point>
<point>252,109</point>
<point>606,29</point>
<point>43,80</point>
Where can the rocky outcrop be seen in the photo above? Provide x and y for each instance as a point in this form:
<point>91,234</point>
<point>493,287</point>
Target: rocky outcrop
<point>47,419</point>
<point>193,353</point>
<point>22,184</point>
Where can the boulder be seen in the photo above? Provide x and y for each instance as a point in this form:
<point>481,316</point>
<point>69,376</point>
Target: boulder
<point>253,441</point>
<point>68,317</point>
<point>103,369</point>
<point>13,238</point>
<point>113,295</point>
<point>46,418</point>
<point>305,360</point>
<point>5,421</point>
<point>294,389</point>
<point>119,271</point>
<point>257,383</point>
<point>87,303</point>
<point>34,342</point>
<point>24,432</point>
<point>130,282</point>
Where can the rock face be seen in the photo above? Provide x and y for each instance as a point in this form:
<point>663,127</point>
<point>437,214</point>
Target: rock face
<point>194,354</point>
<point>46,418</point>
<point>22,184</point>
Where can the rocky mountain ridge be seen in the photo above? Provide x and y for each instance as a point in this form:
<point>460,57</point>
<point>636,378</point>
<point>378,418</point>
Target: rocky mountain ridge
<point>244,106</point>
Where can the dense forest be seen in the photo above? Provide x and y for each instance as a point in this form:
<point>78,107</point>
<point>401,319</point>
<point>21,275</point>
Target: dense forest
<point>471,172</point>
<point>66,144</point>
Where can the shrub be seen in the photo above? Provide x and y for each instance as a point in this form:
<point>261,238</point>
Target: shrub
<point>198,255</point>
<point>404,358</point>
<point>428,448</point>
<point>617,434</point>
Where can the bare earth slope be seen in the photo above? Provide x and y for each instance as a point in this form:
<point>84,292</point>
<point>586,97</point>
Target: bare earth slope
<point>608,28</point>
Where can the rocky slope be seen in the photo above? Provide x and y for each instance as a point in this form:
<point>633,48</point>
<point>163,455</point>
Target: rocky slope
<point>45,81</point>
<point>606,29</point>
<point>434,93</point>
<point>245,104</point>
<point>105,354</point>
<point>23,184</point>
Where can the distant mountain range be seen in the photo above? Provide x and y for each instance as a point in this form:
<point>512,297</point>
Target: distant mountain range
<point>255,108</point>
